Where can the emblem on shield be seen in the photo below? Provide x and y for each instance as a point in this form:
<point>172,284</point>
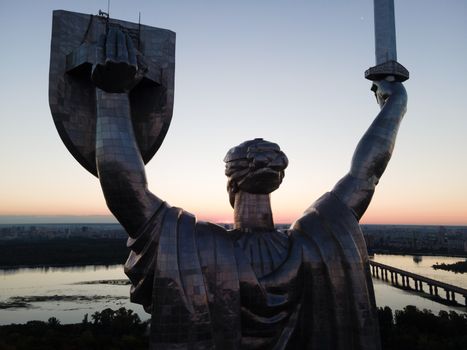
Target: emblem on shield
<point>72,94</point>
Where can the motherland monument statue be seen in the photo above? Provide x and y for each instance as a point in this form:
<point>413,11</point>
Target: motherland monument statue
<point>253,287</point>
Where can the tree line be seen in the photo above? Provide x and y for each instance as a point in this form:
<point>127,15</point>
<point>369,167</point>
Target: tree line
<point>410,328</point>
<point>62,252</point>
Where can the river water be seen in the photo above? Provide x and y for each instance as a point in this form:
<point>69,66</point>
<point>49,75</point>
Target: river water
<point>41,293</point>
<point>395,298</point>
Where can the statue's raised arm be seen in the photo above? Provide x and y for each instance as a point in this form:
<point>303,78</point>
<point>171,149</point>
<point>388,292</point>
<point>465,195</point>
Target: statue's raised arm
<point>111,86</point>
<point>374,149</point>
<point>119,163</point>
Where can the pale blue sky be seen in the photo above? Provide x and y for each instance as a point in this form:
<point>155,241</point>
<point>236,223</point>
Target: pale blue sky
<point>288,71</point>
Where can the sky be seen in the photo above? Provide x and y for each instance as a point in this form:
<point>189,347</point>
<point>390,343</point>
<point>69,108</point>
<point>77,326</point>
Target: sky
<point>290,72</point>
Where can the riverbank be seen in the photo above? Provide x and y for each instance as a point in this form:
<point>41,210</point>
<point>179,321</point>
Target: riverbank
<point>62,252</point>
<point>79,251</point>
<point>415,253</point>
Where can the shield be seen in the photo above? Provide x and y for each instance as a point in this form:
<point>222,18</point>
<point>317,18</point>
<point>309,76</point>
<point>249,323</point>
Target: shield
<point>72,95</point>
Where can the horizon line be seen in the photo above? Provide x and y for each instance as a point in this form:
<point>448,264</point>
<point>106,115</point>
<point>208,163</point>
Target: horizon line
<point>109,219</point>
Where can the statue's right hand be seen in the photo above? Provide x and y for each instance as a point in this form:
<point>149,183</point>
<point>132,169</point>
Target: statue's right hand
<point>116,65</point>
<point>384,89</point>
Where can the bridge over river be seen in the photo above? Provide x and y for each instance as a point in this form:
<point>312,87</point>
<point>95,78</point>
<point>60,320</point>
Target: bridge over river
<point>393,275</point>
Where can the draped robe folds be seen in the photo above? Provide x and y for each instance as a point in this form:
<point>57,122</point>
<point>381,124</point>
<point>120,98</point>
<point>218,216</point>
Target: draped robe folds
<point>209,288</point>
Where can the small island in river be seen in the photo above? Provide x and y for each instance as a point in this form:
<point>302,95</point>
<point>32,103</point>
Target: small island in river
<point>457,267</point>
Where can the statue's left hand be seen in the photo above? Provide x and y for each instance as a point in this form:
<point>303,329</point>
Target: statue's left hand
<point>116,69</point>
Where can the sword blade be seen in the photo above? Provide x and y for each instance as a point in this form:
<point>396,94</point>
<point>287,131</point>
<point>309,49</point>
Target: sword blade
<point>385,31</point>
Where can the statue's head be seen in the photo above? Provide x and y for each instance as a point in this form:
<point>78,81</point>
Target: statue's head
<point>255,166</point>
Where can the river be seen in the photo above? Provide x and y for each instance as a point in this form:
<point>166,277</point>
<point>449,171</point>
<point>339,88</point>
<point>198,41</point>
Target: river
<point>39,293</point>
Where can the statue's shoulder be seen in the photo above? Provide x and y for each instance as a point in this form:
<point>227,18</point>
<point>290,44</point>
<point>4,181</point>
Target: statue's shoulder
<point>204,231</point>
<point>215,247</point>
<point>329,204</point>
<point>312,213</point>
<point>209,231</point>
<point>209,226</point>
<point>326,209</point>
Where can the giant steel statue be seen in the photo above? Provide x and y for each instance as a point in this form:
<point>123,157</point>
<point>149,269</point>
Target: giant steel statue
<point>254,287</point>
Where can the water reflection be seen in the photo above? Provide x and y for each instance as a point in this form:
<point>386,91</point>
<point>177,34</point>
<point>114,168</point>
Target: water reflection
<point>424,267</point>
<point>397,299</point>
<point>66,282</point>
<point>61,294</point>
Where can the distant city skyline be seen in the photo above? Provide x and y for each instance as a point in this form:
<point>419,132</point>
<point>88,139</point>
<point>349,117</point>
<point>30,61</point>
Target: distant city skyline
<point>6,220</point>
<point>291,73</point>
<point>56,219</point>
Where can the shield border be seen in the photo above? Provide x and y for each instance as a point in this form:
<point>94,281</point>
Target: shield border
<point>72,94</point>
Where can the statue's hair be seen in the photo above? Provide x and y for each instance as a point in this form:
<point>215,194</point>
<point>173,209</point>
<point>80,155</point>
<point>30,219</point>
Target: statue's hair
<point>254,166</point>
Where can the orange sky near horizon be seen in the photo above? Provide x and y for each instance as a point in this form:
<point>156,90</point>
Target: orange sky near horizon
<point>455,218</point>
<point>376,214</point>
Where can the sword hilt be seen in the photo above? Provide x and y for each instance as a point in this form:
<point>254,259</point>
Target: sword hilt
<point>386,69</point>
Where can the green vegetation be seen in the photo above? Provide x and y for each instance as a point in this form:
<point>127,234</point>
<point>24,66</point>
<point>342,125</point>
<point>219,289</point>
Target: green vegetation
<point>122,329</point>
<point>109,329</point>
<point>457,267</point>
<point>62,252</point>
<point>414,329</point>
